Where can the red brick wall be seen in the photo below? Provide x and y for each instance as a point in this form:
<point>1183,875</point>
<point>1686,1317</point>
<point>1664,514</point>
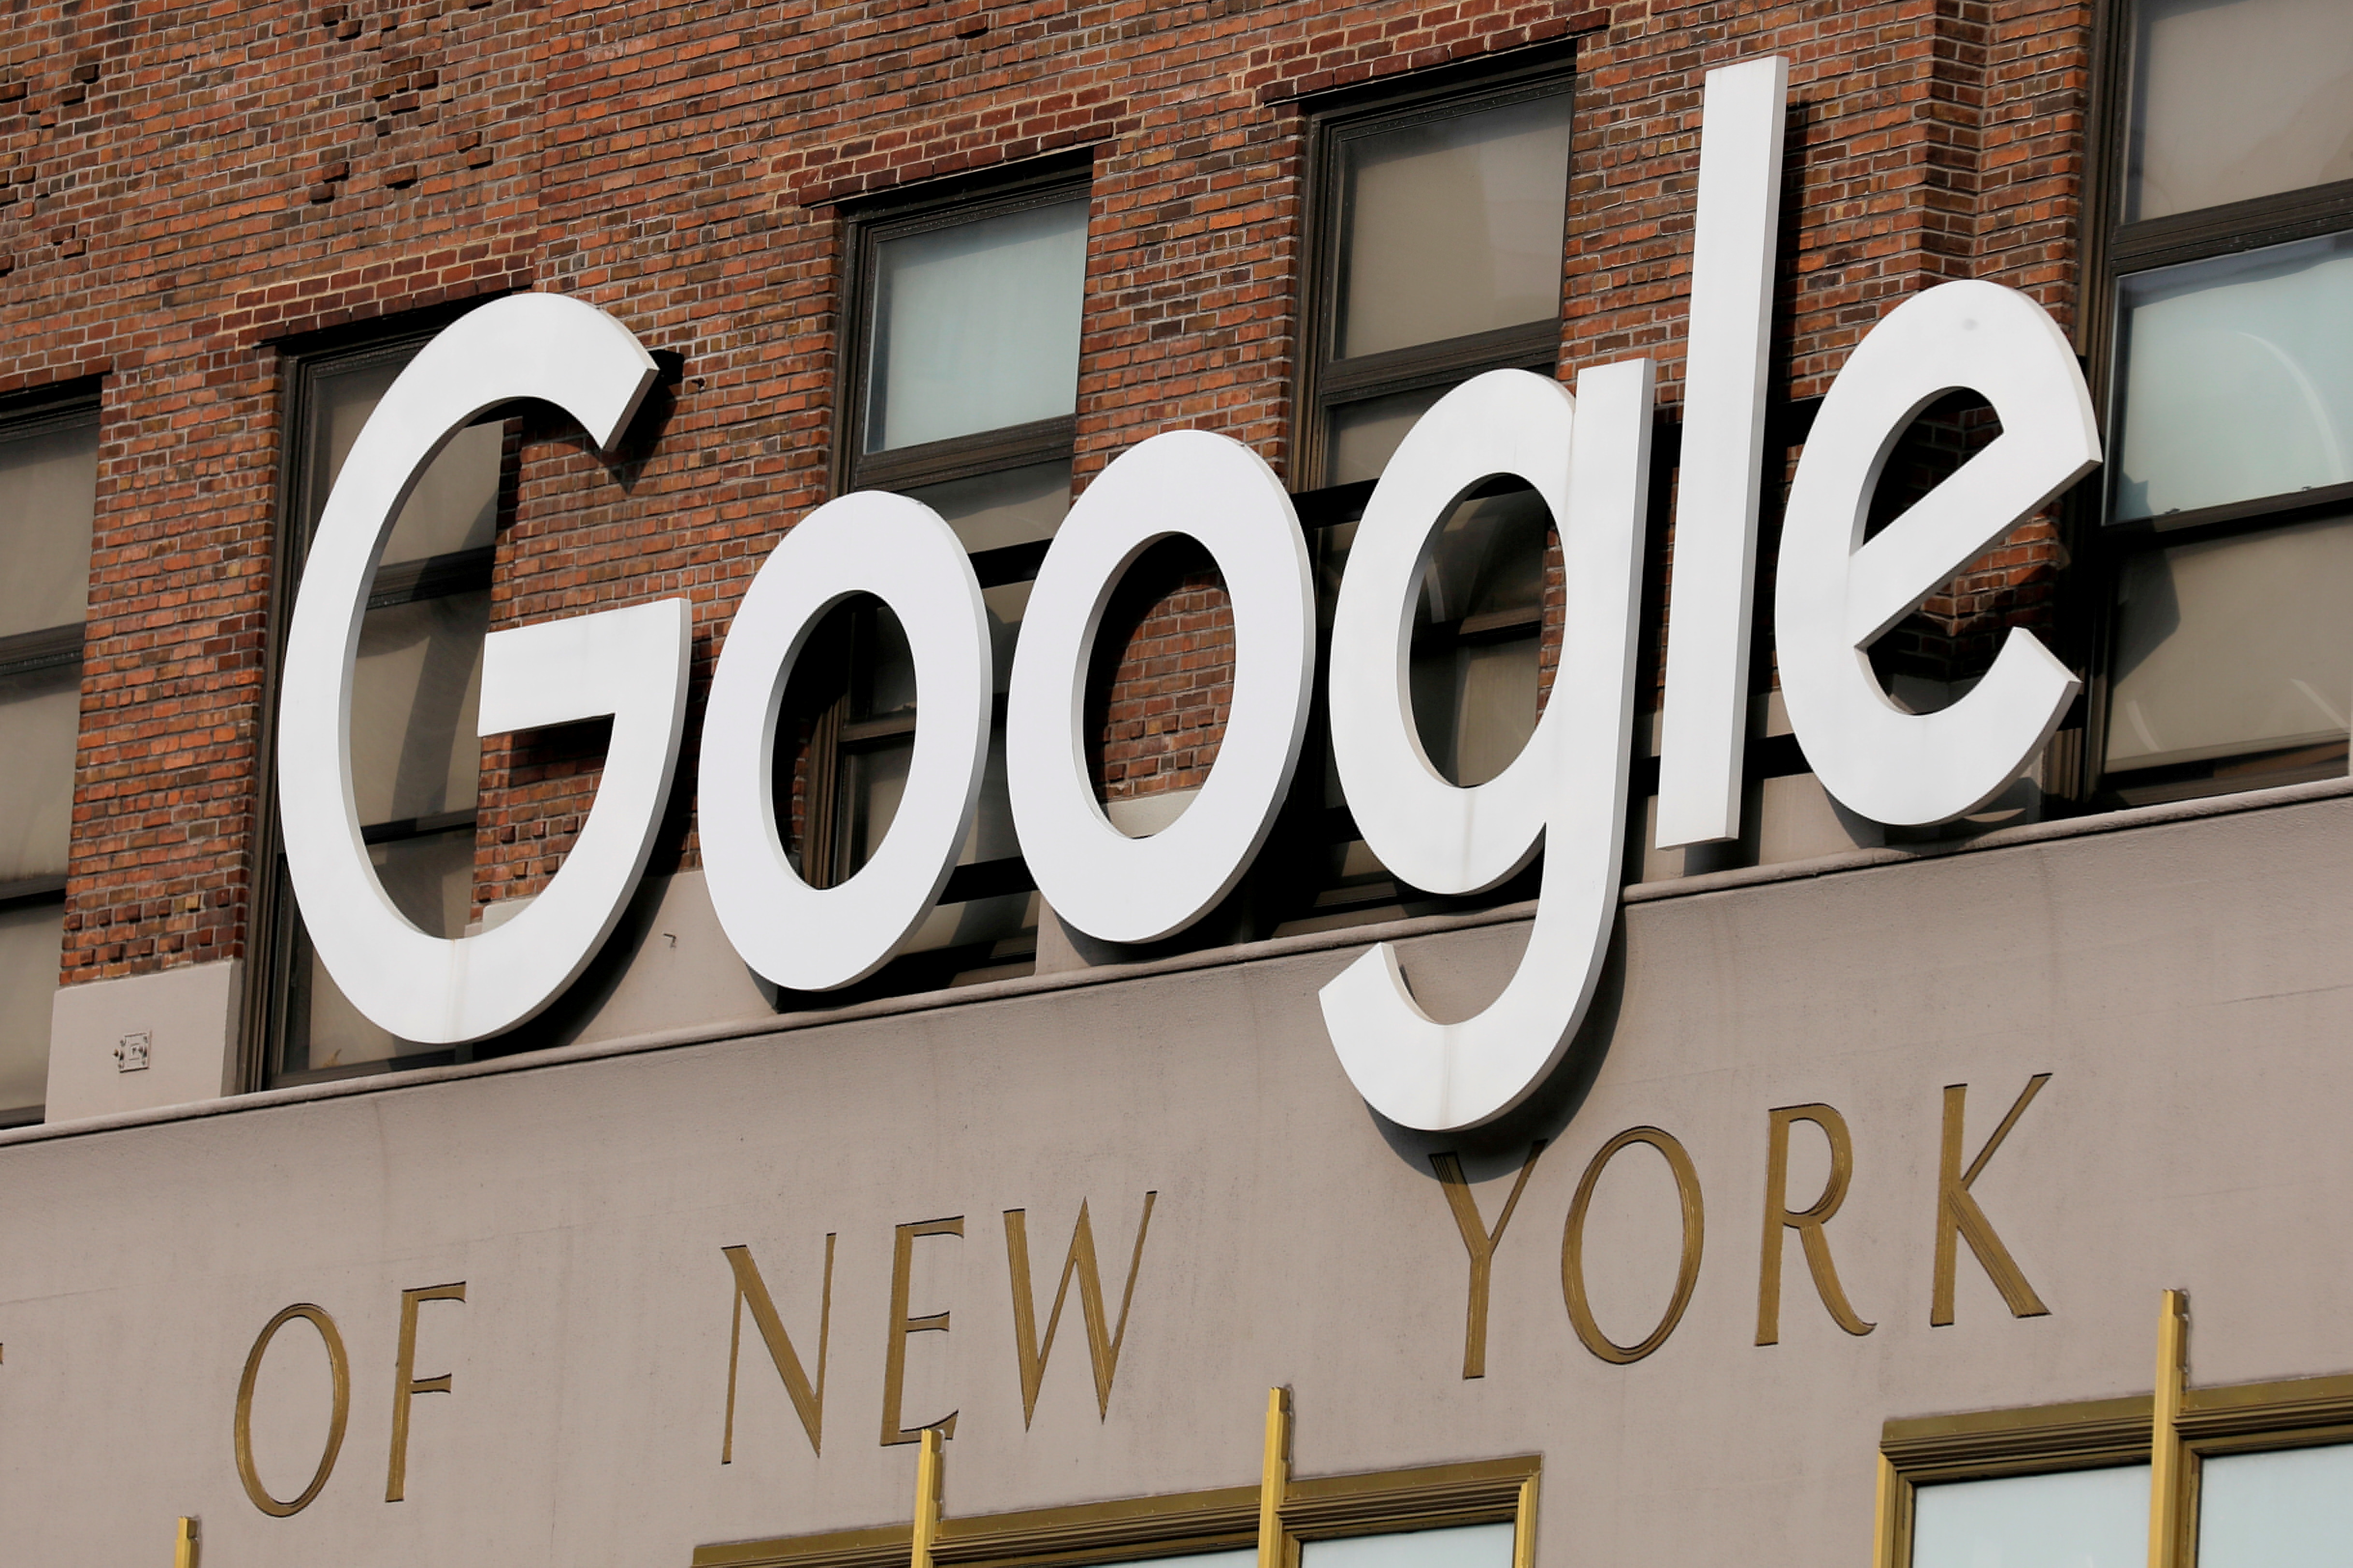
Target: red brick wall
<point>187,188</point>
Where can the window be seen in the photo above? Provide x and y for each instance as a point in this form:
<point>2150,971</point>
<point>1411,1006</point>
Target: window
<point>1479,1515</point>
<point>2263,1479</point>
<point>48,490</point>
<point>1439,220</point>
<point>2228,502</point>
<point>960,387</point>
<point>415,759</point>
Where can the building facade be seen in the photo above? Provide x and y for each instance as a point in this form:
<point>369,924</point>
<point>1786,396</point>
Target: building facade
<point>461,462</point>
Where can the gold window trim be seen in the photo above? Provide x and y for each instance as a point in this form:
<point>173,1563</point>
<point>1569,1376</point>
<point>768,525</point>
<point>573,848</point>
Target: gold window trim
<point>2090,1434</point>
<point>1222,1519</point>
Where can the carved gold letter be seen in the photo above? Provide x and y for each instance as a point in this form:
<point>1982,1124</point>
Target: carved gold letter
<point>338,1363</point>
<point>1102,1342</point>
<point>405,1384</point>
<point>1480,1243</point>
<point>1572,1246</point>
<point>894,1356</point>
<point>1806,1222</point>
<point>1957,1213</point>
<point>809,1402</point>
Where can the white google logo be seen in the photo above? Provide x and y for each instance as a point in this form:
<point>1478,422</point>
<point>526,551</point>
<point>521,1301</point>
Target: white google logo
<point>1588,457</point>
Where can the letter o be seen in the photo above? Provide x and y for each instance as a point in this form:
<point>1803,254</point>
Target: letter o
<point>339,1363</point>
<point>1572,1246</point>
<point>1217,491</point>
<point>898,549</point>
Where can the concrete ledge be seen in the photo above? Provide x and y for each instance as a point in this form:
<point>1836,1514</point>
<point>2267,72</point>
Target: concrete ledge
<point>186,1016</point>
<point>2010,838</point>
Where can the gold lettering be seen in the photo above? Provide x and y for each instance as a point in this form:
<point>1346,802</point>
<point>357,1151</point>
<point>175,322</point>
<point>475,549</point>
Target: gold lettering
<point>405,1384</point>
<point>1958,1214</point>
<point>1102,1341</point>
<point>894,1354</point>
<point>1806,1222</point>
<point>807,1402</point>
<point>184,1542</point>
<point>338,1364</point>
<point>1480,1243</point>
<point>1572,1246</point>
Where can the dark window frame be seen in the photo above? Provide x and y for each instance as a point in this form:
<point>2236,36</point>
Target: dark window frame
<point>937,205</point>
<point>867,225</point>
<point>1322,381</point>
<point>276,1005</point>
<point>2114,252</point>
<point>54,647</point>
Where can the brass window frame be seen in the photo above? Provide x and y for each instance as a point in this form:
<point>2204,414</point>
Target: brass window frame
<point>47,647</point>
<point>2252,1417</point>
<point>2115,250</point>
<point>277,949</point>
<point>1223,1518</point>
<point>1322,381</point>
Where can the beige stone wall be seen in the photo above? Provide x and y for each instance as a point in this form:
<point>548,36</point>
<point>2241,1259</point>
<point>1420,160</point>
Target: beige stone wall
<point>2187,984</point>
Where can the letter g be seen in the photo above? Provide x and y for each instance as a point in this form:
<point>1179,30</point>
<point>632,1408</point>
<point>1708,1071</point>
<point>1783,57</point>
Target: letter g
<point>630,663</point>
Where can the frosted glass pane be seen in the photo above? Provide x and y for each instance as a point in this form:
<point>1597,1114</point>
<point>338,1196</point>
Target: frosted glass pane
<point>1365,435</point>
<point>414,700</point>
<point>1460,1546</point>
<point>1453,227</point>
<point>48,488</point>
<point>40,719</point>
<point>2233,645</point>
<point>2234,98</point>
<point>2237,378</point>
<point>430,879</point>
<point>976,326</point>
<point>2290,1508</point>
<point>30,937</point>
<point>456,503</point>
<point>2075,1519</point>
<point>1017,506</point>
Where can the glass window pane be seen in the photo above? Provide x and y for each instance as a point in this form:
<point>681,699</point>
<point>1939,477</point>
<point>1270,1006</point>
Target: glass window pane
<point>1458,1546</point>
<point>873,778</point>
<point>1017,506</point>
<point>48,488</point>
<point>2074,1519</point>
<point>455,505</point>
<point>2236,378</point>
<point>1452,227</point>
<point>1365,435</point>
<point>414,701</point>
<point>976,326</point>
<point>2236,98</point>
<point>2233,645</point>
<point>430,880</point>
<point>41,718</point>
<point>30,937</point>
<point>1475,636</point>
<point>2290,1508</point>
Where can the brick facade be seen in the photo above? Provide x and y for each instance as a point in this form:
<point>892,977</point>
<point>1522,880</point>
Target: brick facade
<point>183,192</point>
